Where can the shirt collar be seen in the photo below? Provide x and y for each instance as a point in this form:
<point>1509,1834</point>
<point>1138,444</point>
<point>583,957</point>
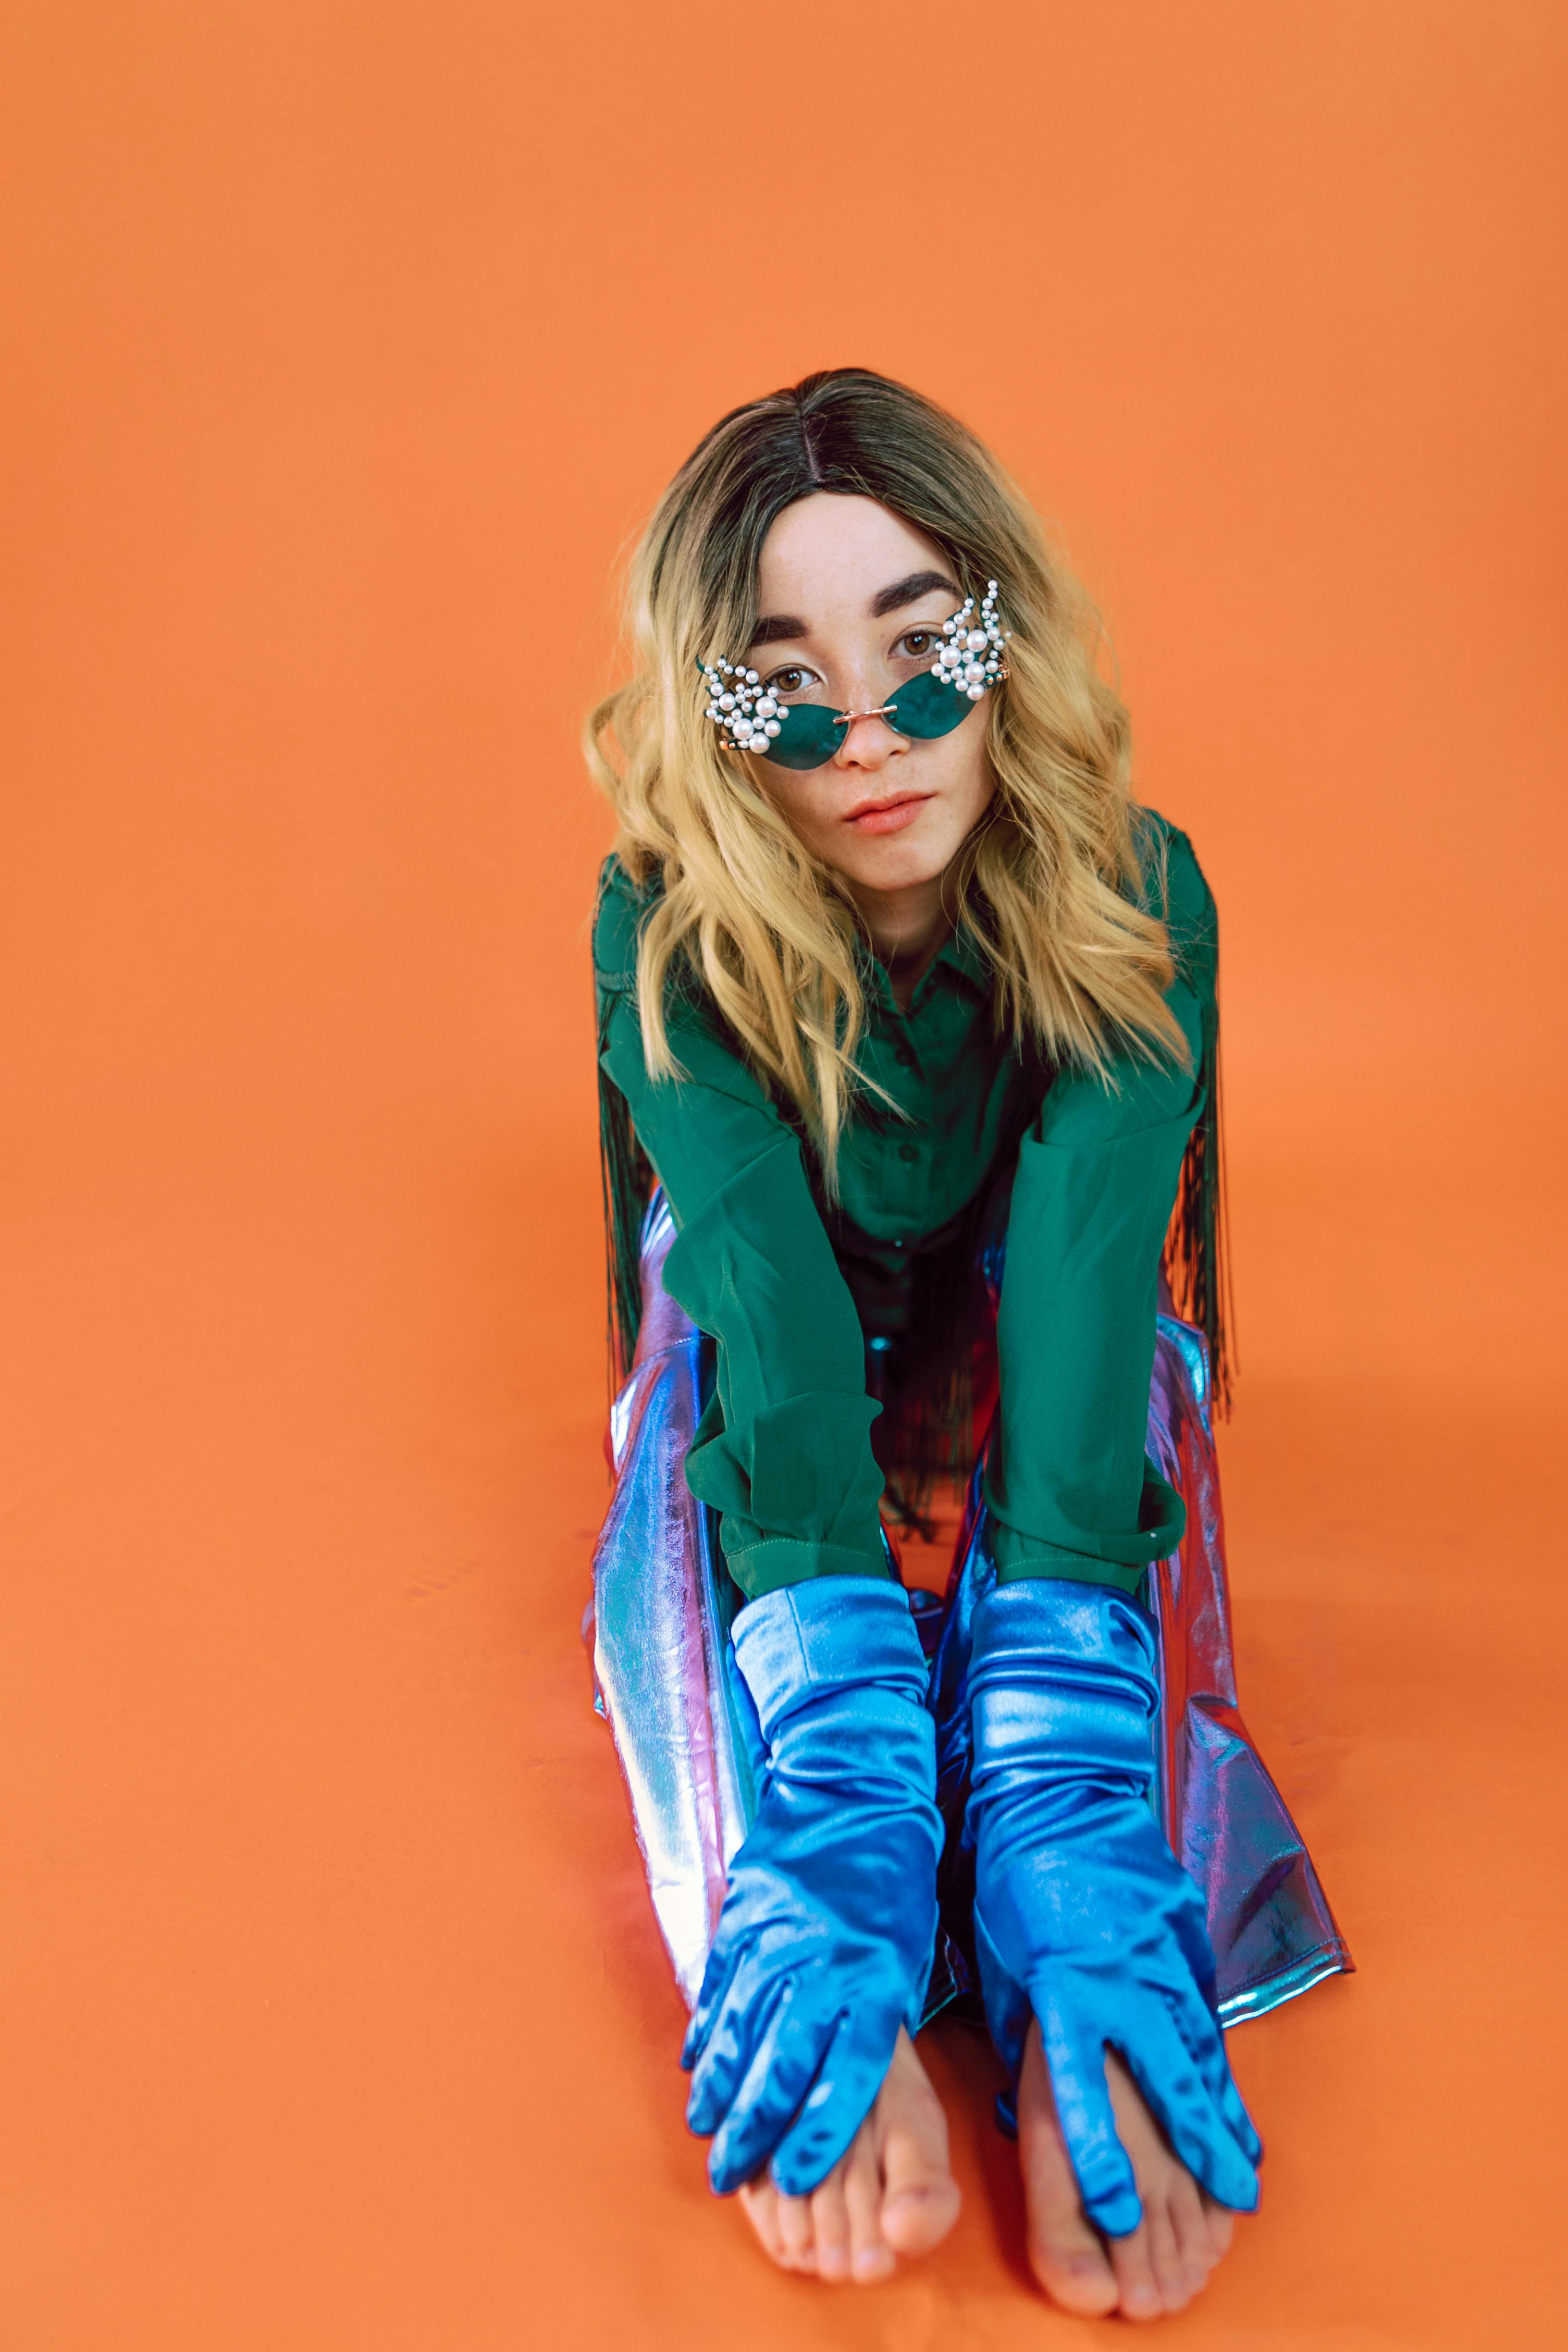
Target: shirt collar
<point>962,954</point>
<point>959,954</point>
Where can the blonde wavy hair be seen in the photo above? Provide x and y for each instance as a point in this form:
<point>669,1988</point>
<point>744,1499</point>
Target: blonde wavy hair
<point>1051,886</point>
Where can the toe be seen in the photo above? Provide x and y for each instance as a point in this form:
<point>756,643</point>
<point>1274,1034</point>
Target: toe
<point>796,2234</point>
<point>919,2196</point>
<point>1221,2227</point>
<point>1165,2256</point>
<point>1137,2291</point>
<point>915,2218</point>
<point>1191,2227</point>
<point>1067,2256</point>
<point>871,2255</point>
<point>831,2226</point>
<point>759,2203</point>
<point>1069,2263</point>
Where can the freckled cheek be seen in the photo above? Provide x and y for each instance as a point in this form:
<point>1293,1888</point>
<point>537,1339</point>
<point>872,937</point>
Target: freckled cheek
<point>967,788</point>
<point>983,793</point>
<point>810,815</point>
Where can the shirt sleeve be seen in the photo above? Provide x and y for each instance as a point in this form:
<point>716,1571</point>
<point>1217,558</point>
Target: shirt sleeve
<point>1070,1490</point>
<point>783,1452</point>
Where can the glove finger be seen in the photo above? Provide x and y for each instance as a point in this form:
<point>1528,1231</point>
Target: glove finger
<point>1175,2092</point>
<point>1006,2001</point>
<point>1200,2030</point>
<point>838,2103</point>
<point>725,1957</point>
<point>787,2058</point>
<point>731,2047</point>
<point>1238,2123</point>
<point>1074,2050</point>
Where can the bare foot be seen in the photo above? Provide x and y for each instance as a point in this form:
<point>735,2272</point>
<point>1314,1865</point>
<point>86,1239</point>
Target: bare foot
<point>1167,2258</point>
<point>893,2194</point>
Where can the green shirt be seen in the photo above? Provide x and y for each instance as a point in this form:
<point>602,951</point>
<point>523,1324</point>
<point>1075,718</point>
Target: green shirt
<point>784,1451</point>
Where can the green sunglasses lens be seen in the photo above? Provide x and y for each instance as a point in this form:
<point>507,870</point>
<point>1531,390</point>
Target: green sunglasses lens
<point>927,707</point>
<point>810,733</point>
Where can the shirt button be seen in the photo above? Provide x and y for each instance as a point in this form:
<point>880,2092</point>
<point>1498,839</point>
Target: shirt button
<point>909,1151</point>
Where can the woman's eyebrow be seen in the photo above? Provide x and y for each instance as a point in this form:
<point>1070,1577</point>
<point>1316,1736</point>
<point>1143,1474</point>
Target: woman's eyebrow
<point>774,626</point>
<point>908,592</point>
<point>778,625</point>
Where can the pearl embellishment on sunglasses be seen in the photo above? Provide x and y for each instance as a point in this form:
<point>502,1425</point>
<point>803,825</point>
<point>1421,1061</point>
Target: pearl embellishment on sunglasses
<point>749,717</point>
<point>972,658</point>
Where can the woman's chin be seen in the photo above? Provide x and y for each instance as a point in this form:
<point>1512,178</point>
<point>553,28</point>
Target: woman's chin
<point>889,878</point>
<point>895,861</point>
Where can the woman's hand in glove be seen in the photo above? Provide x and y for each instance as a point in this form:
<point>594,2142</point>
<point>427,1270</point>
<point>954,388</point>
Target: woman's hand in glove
<point>1082,1914</point>
<point>825,1941</point>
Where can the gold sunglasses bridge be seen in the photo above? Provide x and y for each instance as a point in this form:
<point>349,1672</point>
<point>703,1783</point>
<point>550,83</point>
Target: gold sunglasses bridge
<point>848,718</point>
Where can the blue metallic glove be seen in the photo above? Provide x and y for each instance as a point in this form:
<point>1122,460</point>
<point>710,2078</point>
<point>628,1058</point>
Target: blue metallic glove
<point>825,1941</point>
<point>1081,1912</point>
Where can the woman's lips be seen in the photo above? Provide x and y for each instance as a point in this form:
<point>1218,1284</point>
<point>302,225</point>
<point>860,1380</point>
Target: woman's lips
<point>888,816</point>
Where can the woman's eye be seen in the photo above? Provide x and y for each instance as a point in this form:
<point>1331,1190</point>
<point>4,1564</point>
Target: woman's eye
<point>791,679</point>
<point>919,643</point>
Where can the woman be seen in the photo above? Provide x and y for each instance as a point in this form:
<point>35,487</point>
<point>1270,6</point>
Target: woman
<point>909,1013</point>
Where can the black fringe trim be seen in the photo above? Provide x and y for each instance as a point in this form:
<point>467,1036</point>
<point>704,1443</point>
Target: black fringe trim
<point>626,1181</point>
<point>937,1428</point>
<point>1196,1260</point>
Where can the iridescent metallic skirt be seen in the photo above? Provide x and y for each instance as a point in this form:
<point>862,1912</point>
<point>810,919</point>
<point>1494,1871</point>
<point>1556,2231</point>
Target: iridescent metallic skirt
<point>687,1734</point>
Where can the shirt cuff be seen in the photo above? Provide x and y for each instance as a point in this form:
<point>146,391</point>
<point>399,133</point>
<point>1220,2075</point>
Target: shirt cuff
<point>1096,1560</point>
<point>1020,1556</point>
<point>778,1560</point>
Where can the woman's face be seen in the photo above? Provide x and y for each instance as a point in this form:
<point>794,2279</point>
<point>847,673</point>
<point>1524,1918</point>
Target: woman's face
<point>852,604</point>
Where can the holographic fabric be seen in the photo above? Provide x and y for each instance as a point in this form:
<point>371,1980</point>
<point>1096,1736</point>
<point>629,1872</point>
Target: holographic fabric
<point>687,1734</point>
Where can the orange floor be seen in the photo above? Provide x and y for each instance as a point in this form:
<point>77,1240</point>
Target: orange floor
<point>346,344</point>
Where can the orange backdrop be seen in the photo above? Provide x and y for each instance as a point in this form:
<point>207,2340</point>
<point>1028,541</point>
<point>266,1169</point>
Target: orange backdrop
<point>346,345</point>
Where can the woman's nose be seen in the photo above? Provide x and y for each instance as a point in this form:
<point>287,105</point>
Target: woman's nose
<point>869,741</point>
